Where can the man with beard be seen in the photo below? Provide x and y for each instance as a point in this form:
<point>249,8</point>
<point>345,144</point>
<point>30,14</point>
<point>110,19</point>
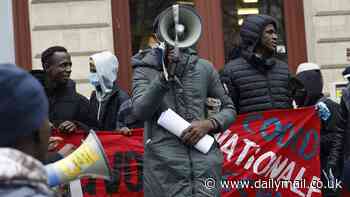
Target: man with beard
<point>172,166</point>
<point>68,110</point>
<point>257,81</point>
<point>307,91</point>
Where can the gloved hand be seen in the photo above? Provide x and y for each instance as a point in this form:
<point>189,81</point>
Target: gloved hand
<point>172,59</point>
<point>196,131</point>
<point>323,111</point>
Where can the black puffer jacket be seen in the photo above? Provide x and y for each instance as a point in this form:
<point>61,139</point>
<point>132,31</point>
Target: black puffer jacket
<point>332,138</point>
<point>255,83</point>
<point>345,112</point>
<point>253,89</point>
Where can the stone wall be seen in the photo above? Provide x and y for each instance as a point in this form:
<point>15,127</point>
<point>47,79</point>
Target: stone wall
<point>327,24</point>
<point>7,46</point>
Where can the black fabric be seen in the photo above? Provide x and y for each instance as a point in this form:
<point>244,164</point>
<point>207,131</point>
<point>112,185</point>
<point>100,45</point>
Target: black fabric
<point>66,104</point>
<point>332,138</point>
<point>109,109</point>
<point>256,87</point>
<point>332,129</point>
<point>313,85</point>
<point>346,71</point>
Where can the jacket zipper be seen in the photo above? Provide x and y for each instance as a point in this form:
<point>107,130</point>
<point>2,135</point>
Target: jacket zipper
<point>99,110</point>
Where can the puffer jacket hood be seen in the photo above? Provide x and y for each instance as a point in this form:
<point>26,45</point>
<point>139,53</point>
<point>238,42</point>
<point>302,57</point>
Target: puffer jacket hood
<point>107,69</point>
<point>252,29</point>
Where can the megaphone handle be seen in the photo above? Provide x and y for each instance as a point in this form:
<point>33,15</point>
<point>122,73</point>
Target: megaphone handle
<point>176,22</point>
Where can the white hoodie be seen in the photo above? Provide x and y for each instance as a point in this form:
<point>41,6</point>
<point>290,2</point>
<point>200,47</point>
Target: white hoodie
<point>107,69</point>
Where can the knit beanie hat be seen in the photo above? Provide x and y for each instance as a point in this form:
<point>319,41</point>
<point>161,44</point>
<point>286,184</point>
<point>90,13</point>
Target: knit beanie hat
<point>23,104</point>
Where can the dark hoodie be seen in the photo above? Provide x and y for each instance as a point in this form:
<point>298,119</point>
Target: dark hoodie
<point>256,83</point>
<point>332,129</point>
<point>66,104</point>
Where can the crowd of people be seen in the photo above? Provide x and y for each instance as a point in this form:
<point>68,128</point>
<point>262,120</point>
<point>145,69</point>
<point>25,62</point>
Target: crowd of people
<point>32,104</point>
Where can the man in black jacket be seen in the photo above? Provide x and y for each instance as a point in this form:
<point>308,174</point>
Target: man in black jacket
<point>68,110</point>
<point>307,91</point>
<point>256,81</point>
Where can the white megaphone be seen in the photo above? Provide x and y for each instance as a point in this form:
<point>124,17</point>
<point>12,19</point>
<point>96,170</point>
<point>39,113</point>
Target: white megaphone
<point>179,26</point>
<point>88,160</point>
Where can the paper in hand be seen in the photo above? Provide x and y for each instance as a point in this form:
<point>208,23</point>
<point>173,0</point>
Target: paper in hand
<point>175,124</point>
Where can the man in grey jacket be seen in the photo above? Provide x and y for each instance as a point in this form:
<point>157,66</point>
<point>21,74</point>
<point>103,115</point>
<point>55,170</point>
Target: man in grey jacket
<point>172,167</point>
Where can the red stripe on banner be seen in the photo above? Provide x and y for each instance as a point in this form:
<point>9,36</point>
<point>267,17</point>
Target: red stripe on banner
<point>262,151</point>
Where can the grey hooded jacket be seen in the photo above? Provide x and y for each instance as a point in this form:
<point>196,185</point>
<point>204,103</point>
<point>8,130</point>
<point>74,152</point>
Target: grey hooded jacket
<point>170,167</point>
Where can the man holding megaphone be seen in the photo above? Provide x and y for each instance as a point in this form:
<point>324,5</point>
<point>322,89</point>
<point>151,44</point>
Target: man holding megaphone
<point>172,77</point>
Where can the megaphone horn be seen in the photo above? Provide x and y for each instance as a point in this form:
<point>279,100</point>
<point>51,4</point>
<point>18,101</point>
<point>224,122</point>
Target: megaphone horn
<point>88,160</point>
<point>188,29</point>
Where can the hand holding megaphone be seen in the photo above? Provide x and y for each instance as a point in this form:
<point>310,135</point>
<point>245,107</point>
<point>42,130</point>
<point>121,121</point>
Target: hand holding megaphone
<point>172,59</point>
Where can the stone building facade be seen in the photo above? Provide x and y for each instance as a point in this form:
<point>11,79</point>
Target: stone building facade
<point>327,25</point>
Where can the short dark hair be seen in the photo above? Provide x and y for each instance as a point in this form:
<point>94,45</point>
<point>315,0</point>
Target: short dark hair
<point>46,55</point>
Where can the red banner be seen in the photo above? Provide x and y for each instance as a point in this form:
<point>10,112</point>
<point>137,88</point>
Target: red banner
<point>275,152</point>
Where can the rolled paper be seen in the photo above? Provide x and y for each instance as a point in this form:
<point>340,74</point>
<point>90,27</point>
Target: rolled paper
<point>175,124</point>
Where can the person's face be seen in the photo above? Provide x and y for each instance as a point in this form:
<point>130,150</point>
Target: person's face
<point>60,67</point>
<point>269,38</point>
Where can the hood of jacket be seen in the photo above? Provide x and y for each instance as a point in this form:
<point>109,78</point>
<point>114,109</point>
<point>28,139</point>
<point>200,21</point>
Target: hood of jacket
<point>312,83</point>
<point>252,30</point>
<point>251,33</point>
<point>20,170</point>
<point>107,69</point>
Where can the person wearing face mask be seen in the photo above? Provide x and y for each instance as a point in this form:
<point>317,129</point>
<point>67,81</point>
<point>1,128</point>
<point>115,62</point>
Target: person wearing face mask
<point>107,97</point>
<point>306,88</point>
